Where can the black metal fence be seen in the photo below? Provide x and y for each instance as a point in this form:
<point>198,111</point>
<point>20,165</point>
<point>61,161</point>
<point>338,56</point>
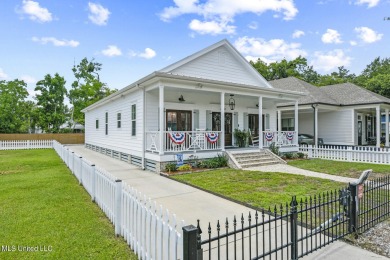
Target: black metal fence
<point>293,230</point>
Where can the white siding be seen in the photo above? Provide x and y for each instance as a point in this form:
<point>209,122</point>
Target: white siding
<point>117,138</point>
<point>218,64</point>
<point>336,127</point>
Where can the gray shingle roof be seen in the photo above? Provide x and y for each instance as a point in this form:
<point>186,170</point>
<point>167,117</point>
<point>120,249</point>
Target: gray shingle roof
<point>341,94</point>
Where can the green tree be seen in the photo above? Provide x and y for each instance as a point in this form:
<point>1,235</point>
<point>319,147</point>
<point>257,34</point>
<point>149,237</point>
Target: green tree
<point>87,88</point>
<point>12,106</point>
<point>342,76</point>
<point>379,84</point>
<point>50,102</point>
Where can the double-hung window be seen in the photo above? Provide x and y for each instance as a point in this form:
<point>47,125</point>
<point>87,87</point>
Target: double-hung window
<point>133,120</point>
<point>119,120</point>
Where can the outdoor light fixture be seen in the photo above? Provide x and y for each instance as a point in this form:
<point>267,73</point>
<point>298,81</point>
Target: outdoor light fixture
<point>232,102</point>
<point>181,98</point>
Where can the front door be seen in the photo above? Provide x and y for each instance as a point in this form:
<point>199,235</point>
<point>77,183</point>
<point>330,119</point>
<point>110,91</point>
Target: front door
<point>216,126</point>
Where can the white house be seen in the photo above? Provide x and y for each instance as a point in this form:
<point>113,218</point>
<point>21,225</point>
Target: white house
<point>181,108</point>
<point>342,114</point>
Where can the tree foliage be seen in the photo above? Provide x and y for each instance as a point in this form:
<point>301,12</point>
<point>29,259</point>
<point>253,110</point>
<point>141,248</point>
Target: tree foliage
<point>50,103</point>
<point>87,88</point>
<point>13,106</point>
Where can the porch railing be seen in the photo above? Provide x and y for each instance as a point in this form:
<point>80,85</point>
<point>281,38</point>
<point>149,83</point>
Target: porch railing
<point>280,138</point>
<point>177,141</point>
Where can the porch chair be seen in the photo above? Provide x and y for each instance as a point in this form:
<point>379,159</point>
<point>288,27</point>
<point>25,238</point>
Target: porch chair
<point>254,139</point>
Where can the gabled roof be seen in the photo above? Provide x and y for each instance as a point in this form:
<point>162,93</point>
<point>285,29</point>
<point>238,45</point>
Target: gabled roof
<point>252,72</point>
<point>345,94</point>
<point>315,95</point>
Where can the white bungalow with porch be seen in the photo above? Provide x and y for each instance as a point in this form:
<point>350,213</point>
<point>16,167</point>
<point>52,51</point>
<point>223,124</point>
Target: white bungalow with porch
<point>181,108</point>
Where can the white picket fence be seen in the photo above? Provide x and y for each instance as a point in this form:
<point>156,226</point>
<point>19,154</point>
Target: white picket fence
<point>364,154</point>
<point>25,144</point>
<point>151,231</point>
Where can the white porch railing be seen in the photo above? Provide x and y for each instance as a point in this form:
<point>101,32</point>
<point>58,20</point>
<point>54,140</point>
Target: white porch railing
<point>177,141</point>
<point>280,138</point>
<point>364,154</point>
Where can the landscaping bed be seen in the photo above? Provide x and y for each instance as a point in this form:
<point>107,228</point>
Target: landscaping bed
<point>45,213</point>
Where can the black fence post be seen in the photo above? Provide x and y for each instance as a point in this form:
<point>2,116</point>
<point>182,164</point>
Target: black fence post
<point>294,228</point>
<point>190,243</point>
<point>354,208</point>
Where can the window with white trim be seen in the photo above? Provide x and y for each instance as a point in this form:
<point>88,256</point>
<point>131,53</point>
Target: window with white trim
<point>106,123</point>
<point>97,123</point>
<point>133,120</point>
<point>119,120</point>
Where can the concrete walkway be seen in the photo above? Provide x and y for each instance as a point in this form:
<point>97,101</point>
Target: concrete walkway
<point>294,170</point>
<point>190,204</point>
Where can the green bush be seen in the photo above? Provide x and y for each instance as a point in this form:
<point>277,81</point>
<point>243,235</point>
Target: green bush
<point>274,149</point>
<point>184,167</point>
<point>241,137</point>
<point>301,155</point>
<point>289,155</point>
<point>216,162</point>
<point>170,167</point>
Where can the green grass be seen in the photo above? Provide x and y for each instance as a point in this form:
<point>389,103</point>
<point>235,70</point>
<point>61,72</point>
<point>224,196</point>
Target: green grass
<point>346,169</point>
<point>259,189</point>
<point>42,205</point>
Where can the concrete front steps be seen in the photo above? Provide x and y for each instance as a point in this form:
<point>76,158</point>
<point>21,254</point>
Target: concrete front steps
<point>253,158</point>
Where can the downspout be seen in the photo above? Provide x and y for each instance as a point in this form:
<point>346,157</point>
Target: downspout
<point>143,126</point>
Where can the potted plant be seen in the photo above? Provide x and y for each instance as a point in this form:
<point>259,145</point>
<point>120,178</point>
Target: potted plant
<point>241,137</point>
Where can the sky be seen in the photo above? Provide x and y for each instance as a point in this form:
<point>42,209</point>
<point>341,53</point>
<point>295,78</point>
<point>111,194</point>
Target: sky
<point>133,38</point>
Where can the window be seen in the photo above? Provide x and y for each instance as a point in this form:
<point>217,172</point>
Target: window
<point>97,123</point>
<point>106,123</point>
<point>133,120</point>
<point>288,124</point>
<point>118,118</point>
<point>178,120</point>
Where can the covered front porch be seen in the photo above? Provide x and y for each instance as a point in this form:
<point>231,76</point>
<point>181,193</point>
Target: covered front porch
<point>187,117</point>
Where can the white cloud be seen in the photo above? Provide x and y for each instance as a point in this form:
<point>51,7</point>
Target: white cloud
<point>370,3</point>
<point>331,36</point>
<point>253,25</point>
<point>353,43</point>
<point>147,54</point>
<point>56,42</point>
<point>98,14</point>
<point>330,60</point>
<point>3,75</point>
<point>112,51</point>
<point>35,11</point>
<point>298,34</point>
<point>272,50</point>
<point>211,27</point>
<point>28,79</point>
<point>368,35</point>
<point>221,13</point>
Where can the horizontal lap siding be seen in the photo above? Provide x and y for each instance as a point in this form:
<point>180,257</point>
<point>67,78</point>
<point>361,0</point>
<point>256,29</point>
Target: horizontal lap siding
<point>336,127</point>
<point>119,138</point>
<point>209,66</point>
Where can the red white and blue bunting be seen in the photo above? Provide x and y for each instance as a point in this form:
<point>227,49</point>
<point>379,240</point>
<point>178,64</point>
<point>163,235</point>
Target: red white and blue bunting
<point>269,136</point>
<point>177,138</point>
<point>290,136</point>
<point>212,137</point>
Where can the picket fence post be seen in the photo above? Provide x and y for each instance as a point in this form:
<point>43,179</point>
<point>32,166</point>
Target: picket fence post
<point>118,205</point>
<point>310,151</point>
<point>93,192</point>
<point>81,170</point>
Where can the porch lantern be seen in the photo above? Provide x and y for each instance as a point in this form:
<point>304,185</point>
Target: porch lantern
<point>232,102</point>
<point>181,98</point>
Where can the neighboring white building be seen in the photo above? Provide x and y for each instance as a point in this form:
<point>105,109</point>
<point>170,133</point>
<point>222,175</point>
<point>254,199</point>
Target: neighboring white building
<point>181,108</point>
<point>342,114</point>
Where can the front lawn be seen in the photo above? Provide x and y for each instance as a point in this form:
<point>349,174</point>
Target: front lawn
<point>346,169</point>
<point>259,189</point>
<point>45,213</point>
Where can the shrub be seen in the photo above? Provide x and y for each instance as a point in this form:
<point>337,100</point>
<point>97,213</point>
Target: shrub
<point>184,167</point>
<point>170,167</point>
<point>216,162</point>
<point>241,137</point>
<point>301,155</point>
<point>274,149</point>
<point>289,155</point>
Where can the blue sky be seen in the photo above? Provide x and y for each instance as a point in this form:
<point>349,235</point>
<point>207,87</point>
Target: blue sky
<point>136,37</point>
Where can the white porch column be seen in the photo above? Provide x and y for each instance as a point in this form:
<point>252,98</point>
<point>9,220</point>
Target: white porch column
<point>260,122</point>
<point>279,120</point>
<point>387,126</point>
<point>378,126</point>
<point>161,126</point>
<point>316,126</point>
<point>296,122</point>
<point>223,121</point>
